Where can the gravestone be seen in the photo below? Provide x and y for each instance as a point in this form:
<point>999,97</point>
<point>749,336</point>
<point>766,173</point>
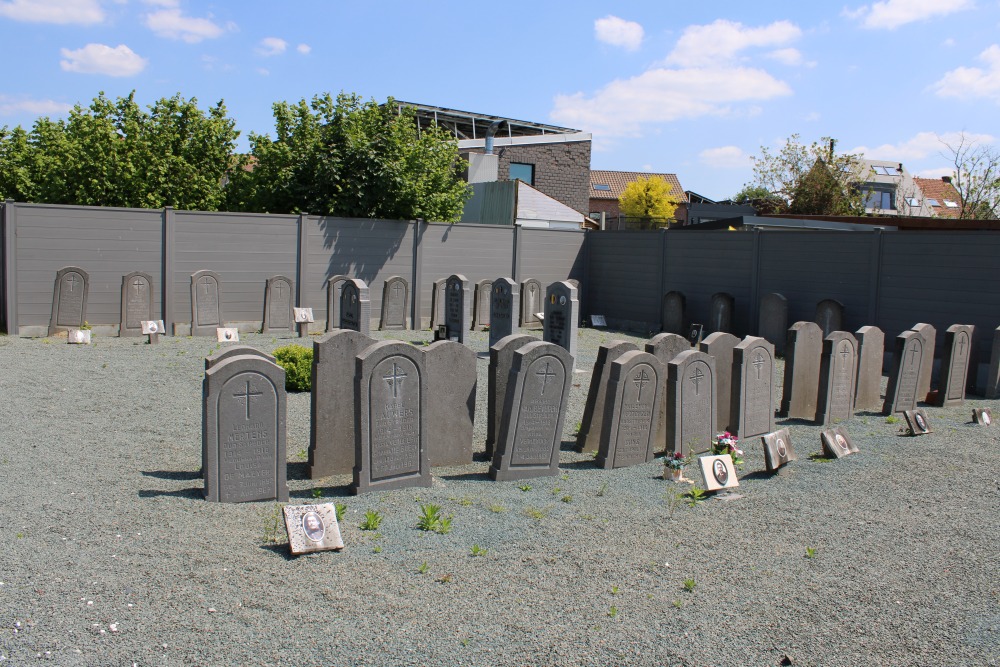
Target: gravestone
<point>503,309</point>
<point>531,304</point>
<point>438,290</point>
<point>718,472</point>
<point>928,335</point>
<point>837,443</point>
<point>206,303</point>
<point>576,285</point>
<point>721,312</point>
<point>691,403</point>
<point>534,409</point>
<point>312,528</point>
<point>395,299</point>
<point>451,410</point>
<point>137,303</point>
<point>236,351</point>
<point>457,307</point>
<point>720,346</point>
<point>589,436</point>
<point>752,407</point>
<point>278,303</point>
<point>871,349</point>
<point>628,431</point>
<point>904,378</point>
<point>993,373</point>
<point>355,306</point>
<point>243,432</point>
<point>69,299</point>
<point>498,372</point>
<point>332,432</point>
<point>481,319</point>
<point>334,286</point>
<point>803,350</point>
<point>829,316</point>
<point>838,376</point>
<point>955,365</point>
<point>390,395</point>
<point>665,346</point>
<point>673,318</point>
<point>777,449</point>
<point>562,312</point>
<point>772,322</point>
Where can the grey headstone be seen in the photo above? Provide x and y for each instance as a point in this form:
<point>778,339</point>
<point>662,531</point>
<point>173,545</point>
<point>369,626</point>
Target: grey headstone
<point>390,392</point>
<point>589,436</point>
<point>690,403</point>
<point>753,398</point>
<point>332,428</point>
<point>838,376</point>
<point>673,319</point>
<point>772,323</point>
<point>501,359</point>
<point>904,378</point>
<point>438,291</point>
<point>803,350</point>
<point>664,347</point>
<point>955,365</point>
<point>719,346</point>
<point>871,349</point>
<point>481,318</point>
<point>451,410</point>
<point>244,416</point>
<point>279,298</point>
<point>137,303</point>
<point>993,374</point>
<point>206,303</point>
<point>69,299</point>
<point>531,303</point>
<point>355,306</point>
<point>721,313</point>
<point>503,309</point>
<point>628,432</point>
<point>457,307</point>
<point>334,286</point>
<point>562,313</point>
<point>533,413</point>
<point>929,335</point>
<point>236,351</point>
<point>829,316</point>
<point>777,449</point>
<point>395,299</point>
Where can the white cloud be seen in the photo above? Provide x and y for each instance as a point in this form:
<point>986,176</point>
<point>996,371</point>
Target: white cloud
<point>272,46</point>
<point>890,14</point>
<point>973,82</point>
<point>722,41</point>
<point>171,23</point>
<point>10,106</point>
<point>263,71</point>
<point>163,3</point>
<point>936,172</point>
<point>789,56</point>
<point>80,12</point>
<point>813,116</point>
<point>618,32</point>
<point>102,59</point>
<point>725,157</point>
<point>304,49</point>
<point>921,145</point>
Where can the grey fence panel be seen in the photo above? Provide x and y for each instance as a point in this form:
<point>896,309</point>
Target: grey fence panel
<point>623,277</point>
<point>551,255</point>
<point>107,243</point>
<point>244,249</point>
<point>478,252</point>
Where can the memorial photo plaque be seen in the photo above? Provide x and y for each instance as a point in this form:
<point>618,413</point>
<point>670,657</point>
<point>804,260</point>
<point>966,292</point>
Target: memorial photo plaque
<point>227,334</point>
<point>837,443</point>
<point>917,421</point>
<point>78,336</point>
<point>312,528</point>
<point>777,449</point>
<point>718,472</point>
<point>982,416</point>
<point>303,315</point>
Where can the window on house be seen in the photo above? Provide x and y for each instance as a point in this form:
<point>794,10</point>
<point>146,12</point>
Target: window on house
<point>932,202</point>
<point>880,199</point>
<point>522,171</point>
<point>885,171</point>
<point>913,201</point>
<point>602,186</point>
<point>950,204</point>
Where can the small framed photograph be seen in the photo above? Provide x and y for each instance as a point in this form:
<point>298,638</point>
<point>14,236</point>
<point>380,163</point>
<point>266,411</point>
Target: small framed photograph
<point>718,472</point>
<point>837,443</point>
<point>777,449</point>
<point>312,528</point>
<point>228,334</point>
<point>695,333</point>
<point>982,416</point>
<point>917,421</point>
<point>152,327</point>
<point>598,321</point>
<point>78,336</point>
<point>303,315</point>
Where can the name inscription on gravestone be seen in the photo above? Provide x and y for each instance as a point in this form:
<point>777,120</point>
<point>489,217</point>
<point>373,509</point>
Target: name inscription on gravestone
<point>631,412</point>
<point>538,418</point>
<point>395,434</point>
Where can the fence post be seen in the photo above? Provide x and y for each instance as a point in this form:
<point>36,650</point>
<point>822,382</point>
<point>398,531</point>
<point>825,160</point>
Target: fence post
<point>417,277</point>
<point>302,260</point>
<point>10,266</point>
<point>167,270</point>
<point>875,262</point>
<point>516,268</point>
<point>754,319</point>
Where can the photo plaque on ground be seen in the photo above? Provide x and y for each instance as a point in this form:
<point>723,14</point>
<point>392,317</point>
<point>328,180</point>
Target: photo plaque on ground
<point>837,443</point>
<point>718,472</point>
<point>227,334</point>
<point>312,528</point>
<point>917,421</point>
<point>982,416</point>
<point>777,449</point>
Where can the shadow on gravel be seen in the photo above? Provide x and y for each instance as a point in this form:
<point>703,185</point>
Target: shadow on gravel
<point>590,464</point>
<point>795,422</point>
<point>468,477</point>
<point>297,470</point>
<point>328,492</point>
<point>279,549</point>
<point>173,474</point>
<point>759,474</point>
<point>195,493</point>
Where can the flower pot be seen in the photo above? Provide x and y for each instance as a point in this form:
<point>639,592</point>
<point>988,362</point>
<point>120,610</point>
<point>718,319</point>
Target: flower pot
<point>673,474</point>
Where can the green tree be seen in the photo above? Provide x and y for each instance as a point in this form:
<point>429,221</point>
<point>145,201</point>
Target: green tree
<point>347,157</point>
<point>976,178</point>
<point>764,201</point>
<point>648,198</point>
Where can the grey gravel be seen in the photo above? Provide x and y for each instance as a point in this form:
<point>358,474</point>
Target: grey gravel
<point>111,556</point>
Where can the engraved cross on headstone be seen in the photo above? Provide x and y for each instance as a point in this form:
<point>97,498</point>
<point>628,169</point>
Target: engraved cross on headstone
<point>913,351</point>
<point>844,353</point>
<point>640,381</point>
<point>205,282</point>
<point>961,345</point>
<point>758,361</point>
<point>545,375</point>
<point>396,289</point>
<point>279,287</point>
<point>137,284</point>
<point>394,379</point>
<point>697,377</point>
<point>72,280</point>
<point>247,396</point>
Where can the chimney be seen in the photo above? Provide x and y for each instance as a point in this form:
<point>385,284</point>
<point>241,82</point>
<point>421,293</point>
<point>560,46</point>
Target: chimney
<point>946,179</point>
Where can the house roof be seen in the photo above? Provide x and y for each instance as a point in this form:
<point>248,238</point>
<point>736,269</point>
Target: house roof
<point>942,192</point>
<point>615,182</point>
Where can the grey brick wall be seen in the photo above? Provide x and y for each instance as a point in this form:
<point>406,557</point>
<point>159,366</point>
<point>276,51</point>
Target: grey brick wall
<point>562,170</point>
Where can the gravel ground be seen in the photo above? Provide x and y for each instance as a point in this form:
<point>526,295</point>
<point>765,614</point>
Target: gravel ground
<point>111,557</point>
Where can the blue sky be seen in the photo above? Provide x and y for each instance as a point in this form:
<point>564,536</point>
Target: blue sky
<point>688,88</point>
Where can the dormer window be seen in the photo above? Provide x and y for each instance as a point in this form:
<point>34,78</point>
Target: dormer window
<point>913,201</point>
<point>950,204</point>
<point>602,186</point>
<point>933,202</point>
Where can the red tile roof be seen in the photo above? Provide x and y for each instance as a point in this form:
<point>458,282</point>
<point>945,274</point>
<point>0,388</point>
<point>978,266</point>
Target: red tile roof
<point>942,191</point>
<point>617,180</point>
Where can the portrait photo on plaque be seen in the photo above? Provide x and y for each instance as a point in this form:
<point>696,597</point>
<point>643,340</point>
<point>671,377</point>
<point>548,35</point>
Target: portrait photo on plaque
<point>228,334</point>
<point>312,528</point>
<point>718,472</point>
<point>303,315</point>
<point>982,416</point>
<point>777,449</point>
<point>917,421</point>
<point>152,327</point>
<point>78,336</point>
<point>837,443</point>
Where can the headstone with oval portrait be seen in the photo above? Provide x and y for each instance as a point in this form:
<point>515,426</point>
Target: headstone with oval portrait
<point>562,312</point>
<point>312,528</point>
<point>837,443</point>
<point>917,421</point>
<point>718,472</point>
<point>777,449</point>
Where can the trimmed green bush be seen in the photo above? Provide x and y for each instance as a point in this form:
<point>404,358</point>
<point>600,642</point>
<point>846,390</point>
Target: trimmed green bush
<point>297,361</point>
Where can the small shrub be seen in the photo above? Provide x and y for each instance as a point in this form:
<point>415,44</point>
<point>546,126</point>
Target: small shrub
<point>613,611</point>
<point>422,569</point>
<point>689,585</point>
<point>478,550</point>
<point>341,508</point>
<point>810,552</point>
<point>525,487</point>
<point>433,520</point>
<point>695,496</point>
<point>317,493</point>
<point>297,361</point>
<point>373,519</point>
<point>891,419</point>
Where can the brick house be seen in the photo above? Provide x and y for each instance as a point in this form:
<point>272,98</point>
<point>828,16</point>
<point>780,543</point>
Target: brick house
<point>940,196</point>
<point>607,186</point>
